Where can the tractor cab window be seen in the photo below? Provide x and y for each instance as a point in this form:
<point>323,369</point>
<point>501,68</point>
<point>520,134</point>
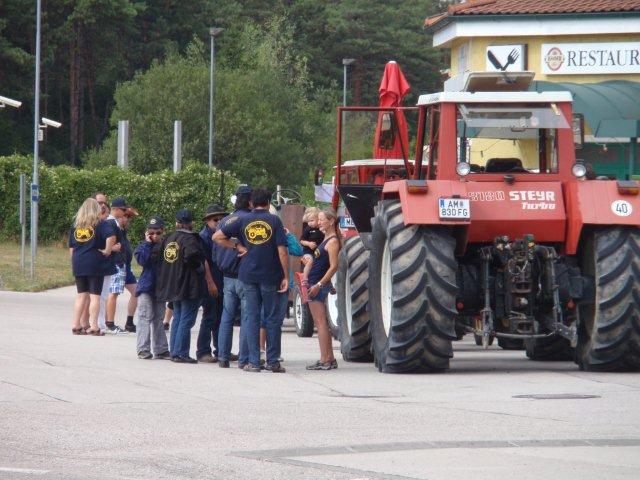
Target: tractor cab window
<point>349,176</point>
<point>509,138</point>
<point>388,130</point>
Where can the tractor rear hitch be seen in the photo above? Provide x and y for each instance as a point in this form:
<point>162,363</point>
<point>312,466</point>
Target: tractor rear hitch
<point>521,267</point>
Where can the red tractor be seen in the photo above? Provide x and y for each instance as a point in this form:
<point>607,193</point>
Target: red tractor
<point>493,228</point>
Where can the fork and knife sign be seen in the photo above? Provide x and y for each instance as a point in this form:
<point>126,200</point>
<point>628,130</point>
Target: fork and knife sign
<point>511,59</point>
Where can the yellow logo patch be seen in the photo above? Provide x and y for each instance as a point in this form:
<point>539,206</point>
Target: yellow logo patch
<point>83,235</point>
<point>258,232</point>
<point>171,252</point>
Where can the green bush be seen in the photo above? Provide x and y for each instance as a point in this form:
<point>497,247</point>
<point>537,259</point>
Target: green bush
<point>63,189</point>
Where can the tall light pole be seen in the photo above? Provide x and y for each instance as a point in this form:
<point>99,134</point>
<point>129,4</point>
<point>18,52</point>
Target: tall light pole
<point>345,63</point>
<point>35,194</point>
<point>213,33</point>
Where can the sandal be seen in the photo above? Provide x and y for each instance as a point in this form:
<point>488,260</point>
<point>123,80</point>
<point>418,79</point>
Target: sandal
<point>96,333</point>
<point>78,331</point>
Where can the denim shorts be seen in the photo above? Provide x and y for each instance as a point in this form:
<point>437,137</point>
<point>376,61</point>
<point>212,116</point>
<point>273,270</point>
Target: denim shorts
<point>129,278</point>
<point>322,295</point>
<point>117,280</point>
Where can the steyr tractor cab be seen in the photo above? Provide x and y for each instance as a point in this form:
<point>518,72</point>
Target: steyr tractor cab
<point>497,230</point>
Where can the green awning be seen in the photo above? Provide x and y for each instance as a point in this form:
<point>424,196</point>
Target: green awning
<point>611,109</point>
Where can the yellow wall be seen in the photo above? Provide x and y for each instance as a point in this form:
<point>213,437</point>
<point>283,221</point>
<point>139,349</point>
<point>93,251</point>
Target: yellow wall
<point>478,54</point>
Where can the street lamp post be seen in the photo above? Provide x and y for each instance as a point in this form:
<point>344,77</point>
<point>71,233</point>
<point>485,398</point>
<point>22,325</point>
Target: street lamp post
<point>345,63</point>
<point>36,129</point>
<point>213,32</point>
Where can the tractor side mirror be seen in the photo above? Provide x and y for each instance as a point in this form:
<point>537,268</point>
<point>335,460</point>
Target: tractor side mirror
<point>578,130</point>
<point>318,176</point>
<point>387,135</point>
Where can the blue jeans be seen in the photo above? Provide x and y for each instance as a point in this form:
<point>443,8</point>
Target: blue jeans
<point>184,318</point>
<point>231,307</point>
<point>261,298</point>
<point>282,302</point>
<point>209,326</point>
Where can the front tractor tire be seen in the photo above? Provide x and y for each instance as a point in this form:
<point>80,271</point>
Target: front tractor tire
<point>609,323</point>
<point>302,317</point>
<point>333,314</point>
<point>412,293</point>
<point>353,300</point>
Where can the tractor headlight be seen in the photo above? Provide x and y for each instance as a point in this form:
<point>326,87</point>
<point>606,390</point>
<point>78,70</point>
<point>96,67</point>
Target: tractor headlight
<point>463,169</point>
<point>579,170</point>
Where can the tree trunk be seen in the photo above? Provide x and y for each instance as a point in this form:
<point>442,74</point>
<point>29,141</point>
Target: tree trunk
<point>75,92</point>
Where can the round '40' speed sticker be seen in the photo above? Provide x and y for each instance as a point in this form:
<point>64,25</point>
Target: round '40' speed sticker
<point>622,208</point>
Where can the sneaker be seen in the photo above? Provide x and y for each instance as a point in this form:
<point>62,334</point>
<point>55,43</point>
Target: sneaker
<point>163,356</point>
<point>242,365</point>
<point>114,329</point>
<point>130,328</point>
<point>275,368</point>
<point>233,357</point>
<point>184,360</point>
<point>223,363</point>
<point>145,355</point>
<point>207,358</point>
<point>251,368</point>
<point>321,366</point>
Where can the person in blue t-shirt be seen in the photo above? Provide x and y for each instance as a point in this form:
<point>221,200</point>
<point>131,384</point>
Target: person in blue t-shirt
<point>263,272</point>
<point>90,244</point>
<point>228,262</point>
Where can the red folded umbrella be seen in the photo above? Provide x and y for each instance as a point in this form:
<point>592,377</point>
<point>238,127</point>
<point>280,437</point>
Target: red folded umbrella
<point>393,88</point>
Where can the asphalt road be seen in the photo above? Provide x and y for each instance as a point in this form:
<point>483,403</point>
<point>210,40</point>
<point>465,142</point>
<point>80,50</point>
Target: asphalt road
<point>86,408</point>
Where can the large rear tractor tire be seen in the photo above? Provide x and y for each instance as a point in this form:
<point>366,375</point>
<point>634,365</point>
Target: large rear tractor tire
<point>412,293</point>
<point>302,317</point>
<point>353,299</point>
<point>510,343</point>
<point>552,349</point>
<point>609,323</point>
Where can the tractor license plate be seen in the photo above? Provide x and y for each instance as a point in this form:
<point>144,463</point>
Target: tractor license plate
<point>454,209</point>
<point>347,222</point>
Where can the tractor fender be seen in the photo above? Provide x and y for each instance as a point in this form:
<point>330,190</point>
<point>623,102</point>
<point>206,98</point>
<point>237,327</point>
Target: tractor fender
<point>419,202</point>
<point>599,202</point>
<point>419,199</point>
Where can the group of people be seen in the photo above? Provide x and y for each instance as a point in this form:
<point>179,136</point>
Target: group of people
<point>237,266</point>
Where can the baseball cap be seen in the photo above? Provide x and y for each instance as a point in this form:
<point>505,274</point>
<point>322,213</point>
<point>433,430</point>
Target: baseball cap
<point>156,222</point>
<point>119,202</point>
<point>215,210</point>
<point>244,190</point>
<point>184,216</point>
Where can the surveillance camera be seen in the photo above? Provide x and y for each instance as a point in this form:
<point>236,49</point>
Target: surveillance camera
<point>51,123</point>
<point>9,101</point>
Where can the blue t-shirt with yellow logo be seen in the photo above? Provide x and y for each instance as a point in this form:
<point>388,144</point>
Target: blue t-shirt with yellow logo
<point>262,233</point>
<point>86,242</point>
